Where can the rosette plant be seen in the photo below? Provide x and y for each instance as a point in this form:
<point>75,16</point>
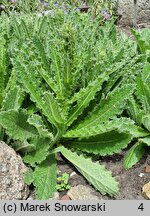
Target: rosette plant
<point>75,78</point>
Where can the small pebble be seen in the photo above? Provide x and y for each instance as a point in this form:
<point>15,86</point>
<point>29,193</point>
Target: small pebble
<point>147,169</point>
<point>141,175</point>
<point>146,190</point>
<point>65,197</point>
<point>72,174</point>
<point>82,192</point>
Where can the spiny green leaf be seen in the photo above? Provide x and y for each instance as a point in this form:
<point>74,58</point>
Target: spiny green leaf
<point>55,56</point>
<point>42,146</point>
<point>36,121</point>
<point>84,96</point>
<point>127,125</point>
<point>24,146</point>
<point>104,144</point>
<point>17,28</point>
<point>134,110</point>
<point>13,99</point>
<point>108,109</point>
<point>142,42</point>
<point>122,125</point>
<point>42,53</point>
<point>46,104</point>
<point>146,73</point>
<point>145,140</point>
<point>44,72</point>
<point>45,178</point>
<point>24,28</point>
<point>146,121</point>
<point>28,176</point>
<point>133,155</point>
<point>16,125</point>
<point>53,109</point>
<point>95,173</point>
<point>142,90</point>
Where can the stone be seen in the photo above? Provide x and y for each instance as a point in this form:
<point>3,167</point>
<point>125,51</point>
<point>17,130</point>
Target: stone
<point>82,192</point>
<point>146,190</point>
<point>73,174</point>
<point>141,175</point>
<point>129,16</point>
<point>143,11</point>
<point>134,12</point>
<point>12,169</point>
<point>65,197</point>
<point>147,169</point>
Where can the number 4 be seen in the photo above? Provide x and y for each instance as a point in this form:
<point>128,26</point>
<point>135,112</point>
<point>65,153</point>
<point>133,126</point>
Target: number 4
<point>141,207</point>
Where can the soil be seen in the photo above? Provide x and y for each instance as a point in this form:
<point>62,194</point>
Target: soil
<point>130,181</point>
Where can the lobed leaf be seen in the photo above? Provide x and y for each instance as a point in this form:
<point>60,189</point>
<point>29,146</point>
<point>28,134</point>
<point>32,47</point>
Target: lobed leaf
<point>13,99</point>
<point>146,73</point>
<point>133,155</point>
<point>37,122</point>
<point>106,110</point>
<point>45,178</point>
<point>53,109</point>
<point>95,173</point>
<point>43,100</point>
<point>42,146</point>
<point>16,125</point>
<point>109,107</point>
<point>134,110</point>
<point>84,96</point>
<point>104,144</point>
<point>142,91</point>
<point>23,146</point>
<point>145,140</point>
<point>141,39</point>
<point>122,125</point>
<point>28,176</point>
<point>44,71</point>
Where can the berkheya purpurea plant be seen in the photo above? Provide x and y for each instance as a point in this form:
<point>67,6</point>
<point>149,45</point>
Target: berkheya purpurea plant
<point>77,77</point>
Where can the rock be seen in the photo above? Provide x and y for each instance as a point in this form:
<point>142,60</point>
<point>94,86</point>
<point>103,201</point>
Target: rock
<point>81,192</point>
<point>134,12</point>
<point>141,175</point>
<point>147,169</point>
<point>73,174</point>
<point>146,190</point>
<point>65,197</point>
<point>143,11</point>
<point>12,186</point>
